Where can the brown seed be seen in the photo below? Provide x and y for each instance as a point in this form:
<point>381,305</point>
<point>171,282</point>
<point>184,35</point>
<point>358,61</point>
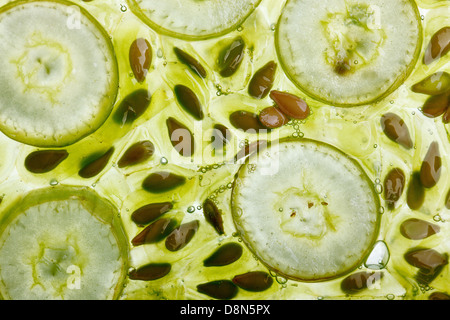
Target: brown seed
<point>438,46</point>
<point>290,105</point>
<point>191,62</point>
<point>221,136</point>
<point>219,289</point>
<point>429,261</point>
<point>430,170</point>
<point>435,84</point>
<point>159,182</point>
<point>342,66</point>
<point>394,183</point>
<point>447,200</point>
<point>213,215</point>
<point>151,271</point>
<point>225,255</point>
<point>439,296</point>
<point>181,236</point>
<point>435,106</point>
<point>396,129</point>
<point>446,116</point>
<point>273,117</point>
<point>180,137</point>
<point>154,232</point>
<point>132,106</point>
<point>415,194</point>
<point>136,153</point>
<point>94,167</point>
<point>150,212</point>
<point>140,58</point>
<point>254,281</point>
<point>358,281</point>
<point>43,161</point>
<point>189,101</point>
<point>250,149</point>
<point>262,81</point>
<point>231,57</point>
<point>416,229</point>
<point>246,121</point>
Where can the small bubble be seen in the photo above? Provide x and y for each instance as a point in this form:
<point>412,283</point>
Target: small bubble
<point>413,112</point>
<point>375,146</point>
<point>159,53</point>
<point>240,28</point>
<point>378,188</point>
<point>163,160</point>
<point>390,296</point>
<point>93,185</point>
<point>301,134</point>
<point>295,134</point>
<point>281,280</point>
<point>230,185</point>
<point>272,27</point>
<point>355,62</point>
<point>131,74</point>
<point>218,93</point>
<point>280,209</point>
<point>319,298</point>
<point>381,210</point>
<point>191,209</point>
<point>131,269</point>
<point>377,181</point>
<point>53,182</point>
<point>199,207</point>
<point>123,8</point>
<point>437,218</point>
<point>391,102</point>
<point>422,17</point>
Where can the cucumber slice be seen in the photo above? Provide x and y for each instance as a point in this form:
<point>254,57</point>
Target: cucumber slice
<point>62,243</point>
<point>348,53</point>
<point>58,73</point>
<point>193,19</point>
<point>306,210</point>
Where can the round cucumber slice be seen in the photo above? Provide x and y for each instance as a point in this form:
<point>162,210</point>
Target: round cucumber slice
<point>306,210</point>
<point>58,73</point>
<point>348,53</point>
<point>193,19</point>
<point>62,243</point>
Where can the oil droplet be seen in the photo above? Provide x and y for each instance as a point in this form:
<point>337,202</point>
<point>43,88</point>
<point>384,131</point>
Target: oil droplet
<point>191,209</point>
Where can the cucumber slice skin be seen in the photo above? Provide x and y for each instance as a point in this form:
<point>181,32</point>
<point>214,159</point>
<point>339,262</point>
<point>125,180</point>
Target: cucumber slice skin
<point>268,265</point>
<point>134,6</point>
<point>99,207</point>
<point>109,98</point>
<point>383,95</point>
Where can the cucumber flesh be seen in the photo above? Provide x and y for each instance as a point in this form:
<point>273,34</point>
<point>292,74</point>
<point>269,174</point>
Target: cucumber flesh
<point>348,52</point>
<point>318,216</point>
<point>58,73</point>
<point>193,19</point>
<point>61,243</point>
